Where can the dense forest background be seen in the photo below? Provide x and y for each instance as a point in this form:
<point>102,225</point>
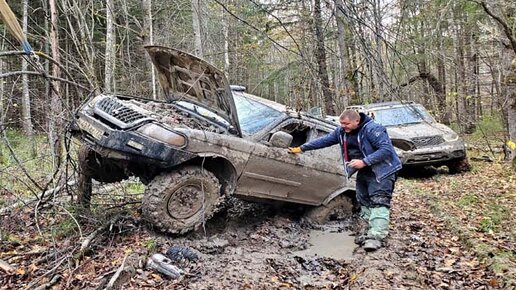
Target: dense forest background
<point>452,56</point>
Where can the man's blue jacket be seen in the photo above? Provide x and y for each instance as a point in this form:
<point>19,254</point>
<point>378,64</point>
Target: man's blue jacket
<point>374,143</point>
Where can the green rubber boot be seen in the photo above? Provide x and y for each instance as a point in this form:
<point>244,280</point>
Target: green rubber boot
<point>378,228</point>
<point>362,225</point>
<point>365,212</point>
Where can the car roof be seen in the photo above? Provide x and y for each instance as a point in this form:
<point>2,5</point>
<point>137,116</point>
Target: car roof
<point>381,105</point>
<point>282,108</point>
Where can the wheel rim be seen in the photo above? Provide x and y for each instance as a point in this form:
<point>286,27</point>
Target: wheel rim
<point>185,201</point>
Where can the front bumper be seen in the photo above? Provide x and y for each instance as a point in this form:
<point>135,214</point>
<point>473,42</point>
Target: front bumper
<point>126,144</point>
<point>434,155</point>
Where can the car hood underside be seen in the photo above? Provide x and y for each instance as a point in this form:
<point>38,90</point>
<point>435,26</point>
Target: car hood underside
<point>186,77</point>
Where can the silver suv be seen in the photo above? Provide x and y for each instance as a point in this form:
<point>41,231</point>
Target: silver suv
<point>418,139</point>
<point>206,142</point>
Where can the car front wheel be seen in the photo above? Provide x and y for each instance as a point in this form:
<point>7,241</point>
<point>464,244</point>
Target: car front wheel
<point>458,165</point>
<point>181,200</point>
<point>338,208</point>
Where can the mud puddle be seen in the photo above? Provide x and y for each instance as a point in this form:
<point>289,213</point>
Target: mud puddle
<point>334,245</point>
<point>331,241</point>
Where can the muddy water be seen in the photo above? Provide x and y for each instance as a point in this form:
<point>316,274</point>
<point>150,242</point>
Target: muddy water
<point>328,243</point>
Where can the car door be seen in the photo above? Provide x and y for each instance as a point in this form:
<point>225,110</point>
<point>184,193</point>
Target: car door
<point>308,178</point>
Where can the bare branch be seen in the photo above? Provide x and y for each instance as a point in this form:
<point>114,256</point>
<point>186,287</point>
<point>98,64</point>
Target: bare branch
<point>16,73</point>
<point>255,28</point>
<point>506,29</point>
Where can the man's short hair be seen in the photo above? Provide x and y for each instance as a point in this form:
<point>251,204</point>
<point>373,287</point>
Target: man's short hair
<point>350,114</point>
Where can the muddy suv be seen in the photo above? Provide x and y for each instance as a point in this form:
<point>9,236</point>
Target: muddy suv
<point>418,139</point>
<point>203,144</point>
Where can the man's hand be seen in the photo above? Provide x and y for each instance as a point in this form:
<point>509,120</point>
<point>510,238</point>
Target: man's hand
<point>357,163</point>
<point>294,150</point>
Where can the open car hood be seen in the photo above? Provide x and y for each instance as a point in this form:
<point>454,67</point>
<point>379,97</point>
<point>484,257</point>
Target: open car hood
<point>417,130</point>
<point>186,77</point>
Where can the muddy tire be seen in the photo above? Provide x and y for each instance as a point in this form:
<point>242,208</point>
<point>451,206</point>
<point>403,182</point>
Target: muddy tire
<point>458,165</point>
<point>339,207</point>
<point>181,200</point>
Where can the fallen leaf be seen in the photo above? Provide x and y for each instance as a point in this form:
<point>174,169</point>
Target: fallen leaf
<point>20,271</point>
<point>449,262</point>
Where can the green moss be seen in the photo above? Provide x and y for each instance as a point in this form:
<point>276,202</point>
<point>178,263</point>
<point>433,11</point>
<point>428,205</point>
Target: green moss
<point>150,245</point>
<point>467,200</point>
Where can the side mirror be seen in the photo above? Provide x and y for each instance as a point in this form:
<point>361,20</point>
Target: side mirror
<point>281,139</point>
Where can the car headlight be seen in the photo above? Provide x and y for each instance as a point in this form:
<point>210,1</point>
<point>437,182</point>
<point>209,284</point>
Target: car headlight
<point>451,136</point>
<point>161,134</point>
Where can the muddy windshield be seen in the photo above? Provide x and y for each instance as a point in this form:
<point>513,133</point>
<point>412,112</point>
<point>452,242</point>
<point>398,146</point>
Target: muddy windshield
<point>254,116</point>
<point>409,114</point>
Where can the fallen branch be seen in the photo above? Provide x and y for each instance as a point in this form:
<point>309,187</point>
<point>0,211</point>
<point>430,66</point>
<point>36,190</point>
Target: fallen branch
<point>124,273</point>
<point>25,202</point>
<point>6,267</point>
<point>58,264</point>
<point>87,241</point>
<point>51,283</point>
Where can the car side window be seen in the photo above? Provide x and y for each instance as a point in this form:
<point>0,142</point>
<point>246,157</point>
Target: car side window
<point>301,131</point>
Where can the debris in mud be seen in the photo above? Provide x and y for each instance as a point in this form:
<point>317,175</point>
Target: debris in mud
<point>179,254</point>
<point>214,246</point>
<point>162,264</point>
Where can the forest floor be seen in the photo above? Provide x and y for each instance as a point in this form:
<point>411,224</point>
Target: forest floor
<point>447,232</point>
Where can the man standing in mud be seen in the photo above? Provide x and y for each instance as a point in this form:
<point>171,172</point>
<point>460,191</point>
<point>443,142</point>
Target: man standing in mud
<point>365,148</point>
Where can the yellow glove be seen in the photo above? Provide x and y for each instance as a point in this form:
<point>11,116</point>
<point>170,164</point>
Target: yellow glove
<point>294,150</point>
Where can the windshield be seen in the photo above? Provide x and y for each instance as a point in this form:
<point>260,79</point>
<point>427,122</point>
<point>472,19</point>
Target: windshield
<point>252,115</point>
<point>409,114</point>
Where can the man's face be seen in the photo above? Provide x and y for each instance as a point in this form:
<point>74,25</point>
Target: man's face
<point>349,125</point>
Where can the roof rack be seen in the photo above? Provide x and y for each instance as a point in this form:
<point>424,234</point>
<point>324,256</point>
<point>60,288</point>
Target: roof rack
<point>237,88</point>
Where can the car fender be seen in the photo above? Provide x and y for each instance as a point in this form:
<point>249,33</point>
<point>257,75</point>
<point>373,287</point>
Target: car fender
<point>338,192</point>
<point>227,174</point>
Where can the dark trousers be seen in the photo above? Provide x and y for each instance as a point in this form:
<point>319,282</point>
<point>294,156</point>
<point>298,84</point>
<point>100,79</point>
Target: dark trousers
<point>370,192</point>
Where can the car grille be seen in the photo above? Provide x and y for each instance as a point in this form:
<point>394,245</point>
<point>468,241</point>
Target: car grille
<point>428,141</point>
<point>119,114</point>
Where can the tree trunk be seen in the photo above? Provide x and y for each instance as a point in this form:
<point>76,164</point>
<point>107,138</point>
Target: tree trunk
<point>2,117</point>
<point>510,82</point>
<point>320,55</point>
<point>109,65</point>
<point>342,84</point>
<point>197,29</point>
<point>378,61</point>
<point>444,114</point>
<point>55,119</point>
<point>25,100</point>
<point>225,28</point>
<point>461,69</point>
<point>470,82</point>
<point>149,40</point>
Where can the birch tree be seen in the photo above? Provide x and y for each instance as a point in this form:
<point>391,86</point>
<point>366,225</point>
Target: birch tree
<point>149,40</point>
<point>197,28</point>
<point>109,67</point>
<point>25,100</point>
<point>55,120</point>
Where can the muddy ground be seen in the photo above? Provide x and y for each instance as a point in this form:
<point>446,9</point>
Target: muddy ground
<point>247,246</point>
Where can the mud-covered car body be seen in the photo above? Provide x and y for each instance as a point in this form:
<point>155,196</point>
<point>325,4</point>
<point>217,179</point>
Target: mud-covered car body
<point>238,138</point>
<point>418,139</point>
